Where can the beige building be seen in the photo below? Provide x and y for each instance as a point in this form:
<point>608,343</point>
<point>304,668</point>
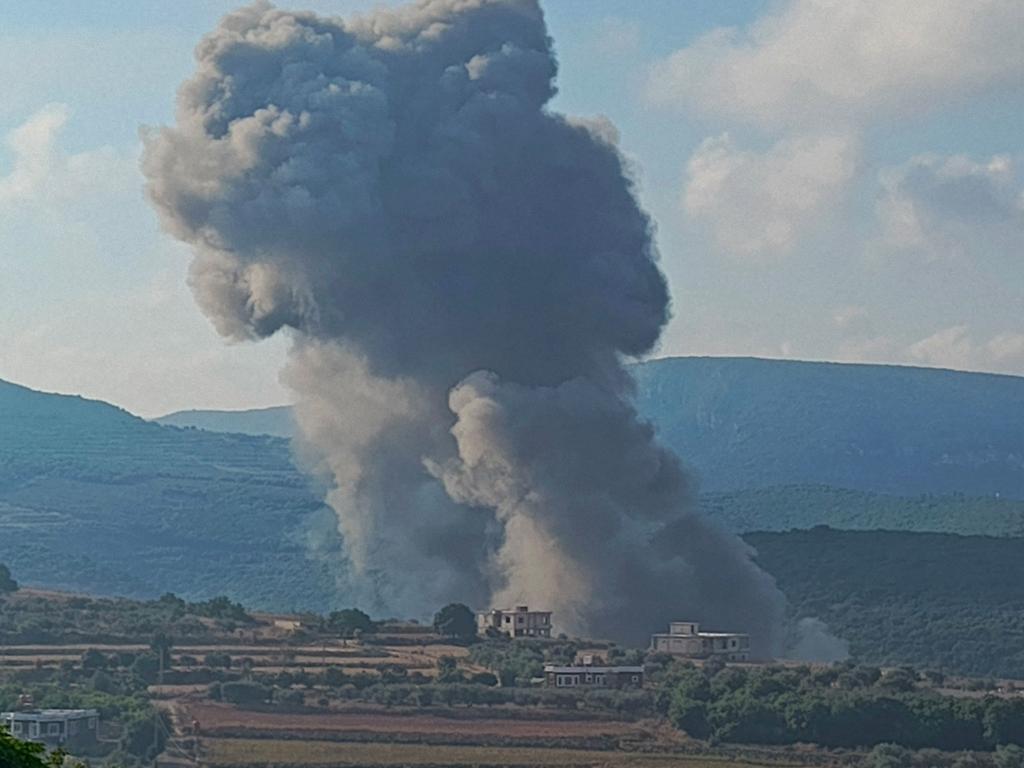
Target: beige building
<point>684,638</point>
<point>521,622</point>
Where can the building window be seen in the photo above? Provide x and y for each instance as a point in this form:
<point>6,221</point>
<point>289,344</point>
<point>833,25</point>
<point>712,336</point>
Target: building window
<point>636,678</point>
<point>92,723</point>
<point>590,678</point>
<point>33,729</point>
<point>54,729</point>
<point>16,728</point>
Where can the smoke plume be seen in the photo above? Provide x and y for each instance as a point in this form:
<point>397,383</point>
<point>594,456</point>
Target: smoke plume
<point>464,272</point>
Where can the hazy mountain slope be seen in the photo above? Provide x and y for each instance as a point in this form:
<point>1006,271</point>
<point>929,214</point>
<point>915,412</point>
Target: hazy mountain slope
<point>275,421</point>
<point>747,423</point>
<point>93,498</point>
<point>952,603</point>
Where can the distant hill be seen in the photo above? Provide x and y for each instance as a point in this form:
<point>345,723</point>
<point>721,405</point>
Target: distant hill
<point>950,603</point>
<point>275,421</point>
<point>806,506</point>
<point>95,499</point>
<point>745,423</point>
<point>748,423</point>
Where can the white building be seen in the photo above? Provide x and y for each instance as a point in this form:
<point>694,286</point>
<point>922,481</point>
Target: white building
<point>684,638</point>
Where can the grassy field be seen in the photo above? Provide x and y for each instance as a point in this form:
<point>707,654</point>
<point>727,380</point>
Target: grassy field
<point>253,753</point>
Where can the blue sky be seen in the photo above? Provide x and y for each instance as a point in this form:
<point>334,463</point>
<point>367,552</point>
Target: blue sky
<point>829,181</point>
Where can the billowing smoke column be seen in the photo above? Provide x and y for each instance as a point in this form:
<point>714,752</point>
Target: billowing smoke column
<point>464,272</point>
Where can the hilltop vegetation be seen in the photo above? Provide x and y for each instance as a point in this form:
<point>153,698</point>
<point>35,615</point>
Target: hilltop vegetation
<point>806,506</point>
<point>943,602</point>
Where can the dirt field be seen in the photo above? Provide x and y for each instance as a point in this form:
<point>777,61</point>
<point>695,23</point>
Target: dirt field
<point>247,753</point>
<point>218,718</point>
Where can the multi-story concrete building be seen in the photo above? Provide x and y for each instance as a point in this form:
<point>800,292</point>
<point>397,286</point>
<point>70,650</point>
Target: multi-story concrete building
<point>521,622</point>
<point>593,673</point>
<point>69,728</point>
<point>684,638</point>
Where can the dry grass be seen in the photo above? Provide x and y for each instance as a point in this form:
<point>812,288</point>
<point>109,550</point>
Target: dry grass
<point>257,753</point>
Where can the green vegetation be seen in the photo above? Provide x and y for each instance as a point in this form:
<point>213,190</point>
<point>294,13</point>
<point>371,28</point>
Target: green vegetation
<point>29,619</point>
<point>455,620</point>
<point>7,584</point>
<point>841,706</point>
<point>935,601</point>
<point>349,622</point>
<point>22,754</point>
<point>807,506</point>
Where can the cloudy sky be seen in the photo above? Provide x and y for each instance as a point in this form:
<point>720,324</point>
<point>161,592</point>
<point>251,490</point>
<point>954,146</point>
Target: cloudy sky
<point>830,181</point>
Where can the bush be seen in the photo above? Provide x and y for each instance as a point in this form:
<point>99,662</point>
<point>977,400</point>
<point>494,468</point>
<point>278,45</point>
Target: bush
<point>218,660</point>
<point>244,692</point>
<point>7,584</point>
<point>888,756</point>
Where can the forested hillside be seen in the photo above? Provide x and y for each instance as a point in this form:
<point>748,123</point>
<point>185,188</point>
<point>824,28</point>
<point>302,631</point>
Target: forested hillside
<point>950,603</point>
<point>93,498</point>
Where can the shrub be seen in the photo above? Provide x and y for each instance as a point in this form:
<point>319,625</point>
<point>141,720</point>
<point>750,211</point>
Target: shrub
<point>245,692</point>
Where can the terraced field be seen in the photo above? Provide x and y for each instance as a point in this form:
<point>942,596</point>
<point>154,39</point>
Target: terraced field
<point>251,753</point>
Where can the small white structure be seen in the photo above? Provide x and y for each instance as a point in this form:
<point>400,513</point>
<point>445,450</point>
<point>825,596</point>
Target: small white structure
<point>74,728</point>
<point>684,638</point>
<point>522,622</point>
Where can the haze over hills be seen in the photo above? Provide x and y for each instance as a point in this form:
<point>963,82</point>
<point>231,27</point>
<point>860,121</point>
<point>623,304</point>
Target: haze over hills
<point>744,423</point>
<point>276,421</point>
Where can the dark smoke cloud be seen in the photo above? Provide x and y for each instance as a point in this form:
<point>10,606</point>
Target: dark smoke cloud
<point>394,189</point>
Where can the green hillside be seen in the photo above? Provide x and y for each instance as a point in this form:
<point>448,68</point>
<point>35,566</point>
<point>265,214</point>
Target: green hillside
<point>95,499</point>
<point>950,603</point>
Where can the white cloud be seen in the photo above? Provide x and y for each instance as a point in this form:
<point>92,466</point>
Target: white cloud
<point>836,61</point>
<point>41,172</point>
<point>956,347</point>
<point>953,206</point>
<point>146,348</point>
<point>760,203</point>
<point>852,317</point>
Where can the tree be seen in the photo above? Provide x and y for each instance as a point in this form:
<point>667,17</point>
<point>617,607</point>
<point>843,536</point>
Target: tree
<point>7,584</point>
<point>161,645</point>
<point>22,754</point>
<point>455,620</point>
<point>349,621</point>
<point>448,670</point>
